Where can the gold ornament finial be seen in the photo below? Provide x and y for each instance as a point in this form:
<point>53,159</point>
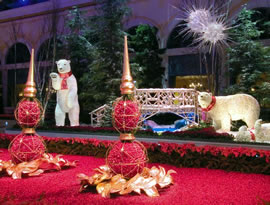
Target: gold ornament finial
<point>30,86</point>
<point>127,86</point>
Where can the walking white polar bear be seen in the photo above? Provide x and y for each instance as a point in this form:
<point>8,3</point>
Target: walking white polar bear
<point>66,96</point>
<point>224,109</point>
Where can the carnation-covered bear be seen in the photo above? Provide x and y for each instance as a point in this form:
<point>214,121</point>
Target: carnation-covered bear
<point>223,109</point>
<point>65,84</point>
<point>249,135</point>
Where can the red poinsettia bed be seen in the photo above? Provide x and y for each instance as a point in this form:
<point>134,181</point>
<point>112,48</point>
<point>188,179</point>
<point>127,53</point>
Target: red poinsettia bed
<point>191,186</point>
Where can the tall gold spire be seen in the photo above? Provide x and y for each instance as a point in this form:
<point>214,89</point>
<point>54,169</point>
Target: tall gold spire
<point>30,86</point>
<point>127,86</point>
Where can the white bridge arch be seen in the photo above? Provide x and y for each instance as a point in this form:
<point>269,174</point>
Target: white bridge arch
<point>180,101</point>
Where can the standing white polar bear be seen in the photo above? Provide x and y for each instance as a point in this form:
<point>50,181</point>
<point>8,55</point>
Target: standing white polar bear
<point>223,109</point>
<point>66,96</point>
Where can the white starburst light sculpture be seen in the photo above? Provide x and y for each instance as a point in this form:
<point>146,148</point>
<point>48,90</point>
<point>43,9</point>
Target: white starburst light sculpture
<point>206,24</point>
<point>214,34</point>
<point>197,20</point>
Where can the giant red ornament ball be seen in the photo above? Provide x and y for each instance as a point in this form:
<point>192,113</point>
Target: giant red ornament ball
<point>126,115</point>
<point>127,158</point>
<point>26,147</point>
<point>28,113</point>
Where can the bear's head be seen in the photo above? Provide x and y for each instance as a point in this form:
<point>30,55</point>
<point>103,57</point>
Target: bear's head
<point>243,128</point>
<point>204,99</point>
<point>63,66</point>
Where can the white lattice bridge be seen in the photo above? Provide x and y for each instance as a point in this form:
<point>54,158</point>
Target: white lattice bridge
<point>180,101</point>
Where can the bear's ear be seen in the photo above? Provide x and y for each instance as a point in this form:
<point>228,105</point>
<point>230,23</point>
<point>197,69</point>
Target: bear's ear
<point>56,62</point>
<point>68,61</point>
<point>210,94</point>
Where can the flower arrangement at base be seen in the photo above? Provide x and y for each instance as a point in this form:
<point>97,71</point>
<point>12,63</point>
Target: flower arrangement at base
<point>26,147</point>
<point>127,158</point>
<point>28,112</point>
<point>107,183</point>
<point>35,167</point>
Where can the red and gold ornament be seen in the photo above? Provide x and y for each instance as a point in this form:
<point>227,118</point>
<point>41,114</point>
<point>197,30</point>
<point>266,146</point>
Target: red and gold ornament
<point>28,112</point>
<point>28,146</point>
<point>126,115</point>
<point>125,170</point>
<point>127,158</point>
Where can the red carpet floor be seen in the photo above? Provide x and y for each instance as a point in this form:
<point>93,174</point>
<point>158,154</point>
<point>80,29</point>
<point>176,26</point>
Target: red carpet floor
<point>192,186</point>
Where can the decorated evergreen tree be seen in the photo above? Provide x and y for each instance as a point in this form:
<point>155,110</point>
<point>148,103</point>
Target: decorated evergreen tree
<point>144,43</point>
<point>248,58</point>
<point>79,48</point>
<point>101,82</point>
<point>81,52</point>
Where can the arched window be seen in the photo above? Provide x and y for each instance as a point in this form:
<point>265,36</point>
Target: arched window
<point>178,38</point>
<point>186,69</point>
<point>46,49</point>
<point>17,76</point>
<point>144,43</point>
<point>18,53</point>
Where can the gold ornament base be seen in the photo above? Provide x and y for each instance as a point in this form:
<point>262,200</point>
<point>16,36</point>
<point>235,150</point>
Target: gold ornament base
<point>127,137</point>
<point>29,130</point>
<point>107,182</point>
<point>35,167</point>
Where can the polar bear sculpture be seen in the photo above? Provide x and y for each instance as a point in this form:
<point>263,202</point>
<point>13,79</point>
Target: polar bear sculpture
<point>251,135</point>
<point>244,135</point>
<point>66,96</point>
<point>224,109</point>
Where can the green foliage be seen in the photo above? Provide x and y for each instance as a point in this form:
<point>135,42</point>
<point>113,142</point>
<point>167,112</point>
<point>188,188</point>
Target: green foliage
<point>107,119</point>
<point>81,52</point>
<point>144,43</point>
<point>249,59</point>
<point>95,46</point>
<point>102,80</point>
<point>78,43</point>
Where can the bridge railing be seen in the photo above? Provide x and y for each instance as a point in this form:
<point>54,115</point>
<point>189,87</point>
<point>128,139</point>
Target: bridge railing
<point>97,116</point>
<point>180,101</point>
